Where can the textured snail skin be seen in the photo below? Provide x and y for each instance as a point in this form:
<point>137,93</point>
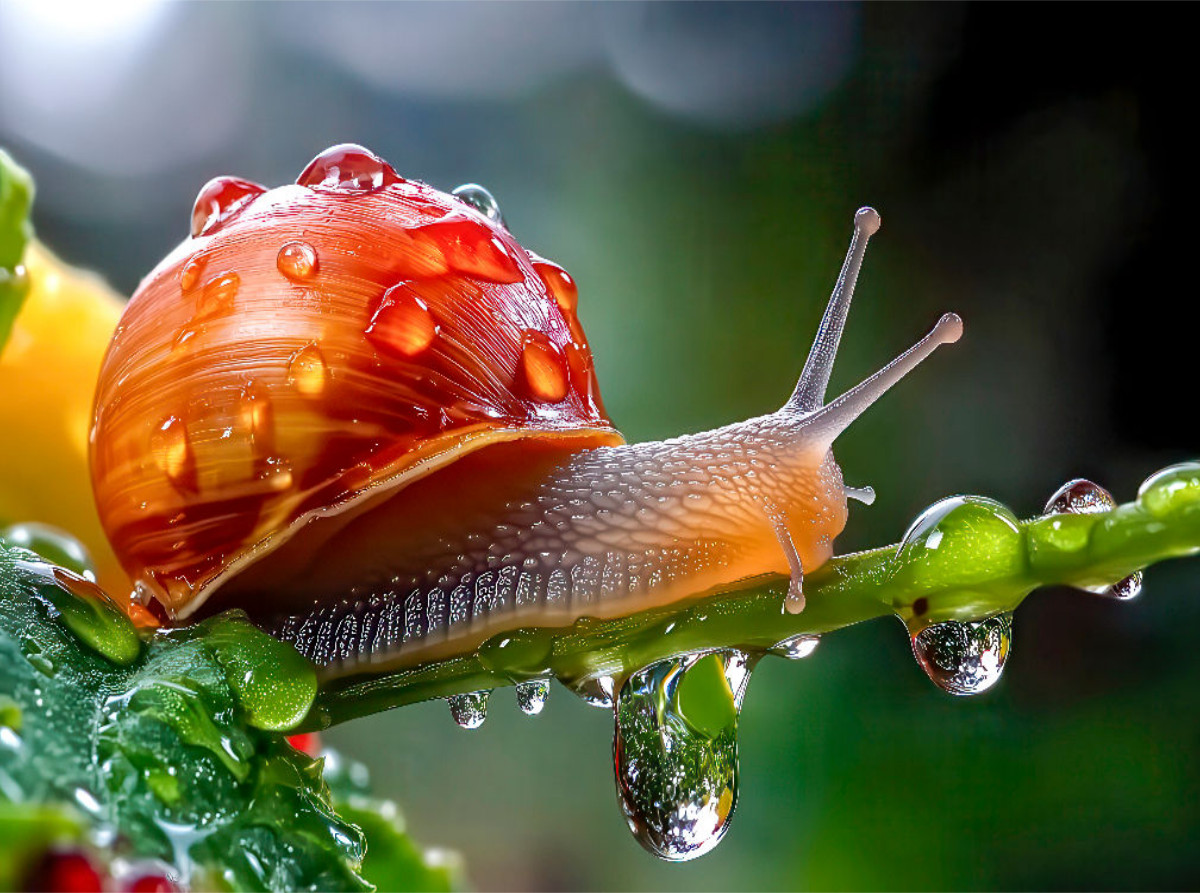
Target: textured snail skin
<point>517,535</point>
<point>357,409</point>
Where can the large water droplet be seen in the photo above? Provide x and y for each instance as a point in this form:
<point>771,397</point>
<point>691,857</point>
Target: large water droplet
<point>1172,489</point>
<point>559,283</point>
<point>471,248</point>
<point>402,325</point>
<point>963,543</point>
<point>307,371</point>
<point>348,167</point>
<point>543,367</point>
<point>469,710</point>
<point>55,545</point>
<point>532,695</point>
<point>481,200</point>
<point>675,755</point>
<point>1083,497</point>
<point>219,199</point>
<point>297,261</point>
<point>965,658</point>
<point>796,647</point>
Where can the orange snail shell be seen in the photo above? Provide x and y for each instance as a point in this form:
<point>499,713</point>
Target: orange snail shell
<point>311,350</point>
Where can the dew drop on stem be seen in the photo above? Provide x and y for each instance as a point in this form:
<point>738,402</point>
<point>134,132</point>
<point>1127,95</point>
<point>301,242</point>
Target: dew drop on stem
<point>965,657</point>
<point>1083,497</point>
<point>469,710</point>
<point>675,752</point>
<point>531,696</point>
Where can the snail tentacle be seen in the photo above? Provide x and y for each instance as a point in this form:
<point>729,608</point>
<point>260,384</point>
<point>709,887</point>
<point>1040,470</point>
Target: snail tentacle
<point>810,389</point>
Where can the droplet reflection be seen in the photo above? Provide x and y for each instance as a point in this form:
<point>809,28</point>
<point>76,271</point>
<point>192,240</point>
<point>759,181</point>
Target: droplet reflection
<point>531,696</point>
<point>469,710</point>
<point>965,658</point>
<point>481,200</point>
<point>675,753</point>
<point>1083,497</point>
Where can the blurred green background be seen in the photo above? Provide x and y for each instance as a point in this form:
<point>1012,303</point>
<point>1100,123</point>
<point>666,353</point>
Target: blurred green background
<point>696,167</point>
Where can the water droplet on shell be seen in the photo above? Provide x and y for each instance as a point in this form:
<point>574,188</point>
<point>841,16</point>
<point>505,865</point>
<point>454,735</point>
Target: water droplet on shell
<point>172,451</point>
<point>297,261</point>
<point>403,324</point>
<point>559,283</point>
<point>543,367</point>
<point>481,200</point>
<point>307,371</point>
<point>348,167</point>
<point>219,200</point>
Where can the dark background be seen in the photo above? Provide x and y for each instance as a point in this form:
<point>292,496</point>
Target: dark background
<point>696,167</point>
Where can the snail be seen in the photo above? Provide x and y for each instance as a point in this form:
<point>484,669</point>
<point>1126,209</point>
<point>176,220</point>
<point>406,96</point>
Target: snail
<point>358,409</point>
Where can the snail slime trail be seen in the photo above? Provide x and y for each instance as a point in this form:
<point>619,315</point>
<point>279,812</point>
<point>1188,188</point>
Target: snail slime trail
<point>358,409</point>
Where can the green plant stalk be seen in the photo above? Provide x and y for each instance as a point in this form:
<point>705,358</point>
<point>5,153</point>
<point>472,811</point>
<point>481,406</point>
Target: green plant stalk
<point>984,562</point>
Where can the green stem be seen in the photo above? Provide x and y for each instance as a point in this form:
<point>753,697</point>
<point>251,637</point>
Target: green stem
<point>965,558</point>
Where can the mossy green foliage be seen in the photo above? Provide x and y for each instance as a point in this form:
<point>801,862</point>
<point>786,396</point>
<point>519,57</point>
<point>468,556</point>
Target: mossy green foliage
<point>175,744</point>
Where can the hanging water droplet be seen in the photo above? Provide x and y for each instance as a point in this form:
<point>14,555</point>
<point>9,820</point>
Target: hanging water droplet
<point>1125,589</point>
<point>307,371</point>
<point>675,755</point>
<point>965,658</point>
<point>596,691</point>
<point>1083,497</point>
<point>796,647</point>
<point>348,167</point>
<point>543,367</point>
<point>297,261</point>
<point>738,667</point>
<point>559,283</point>
<point>403,324</point>
<point>1171,490</point>
<point>219,199</point>
<point>481,200</point>
<point>531,696</point>
<point>469,710</point>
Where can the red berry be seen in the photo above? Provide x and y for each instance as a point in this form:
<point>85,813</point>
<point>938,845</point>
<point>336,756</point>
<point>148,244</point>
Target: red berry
<point>65,871</point>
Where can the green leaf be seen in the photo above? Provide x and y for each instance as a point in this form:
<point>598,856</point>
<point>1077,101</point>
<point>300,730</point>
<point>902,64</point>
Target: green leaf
<point>16,198</point>
<point>177,746</point>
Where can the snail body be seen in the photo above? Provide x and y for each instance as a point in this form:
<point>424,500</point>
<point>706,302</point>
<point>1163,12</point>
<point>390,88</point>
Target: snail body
<point>358,409</point>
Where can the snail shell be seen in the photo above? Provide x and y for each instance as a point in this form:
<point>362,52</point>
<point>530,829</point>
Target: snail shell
<point>357,408</point>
